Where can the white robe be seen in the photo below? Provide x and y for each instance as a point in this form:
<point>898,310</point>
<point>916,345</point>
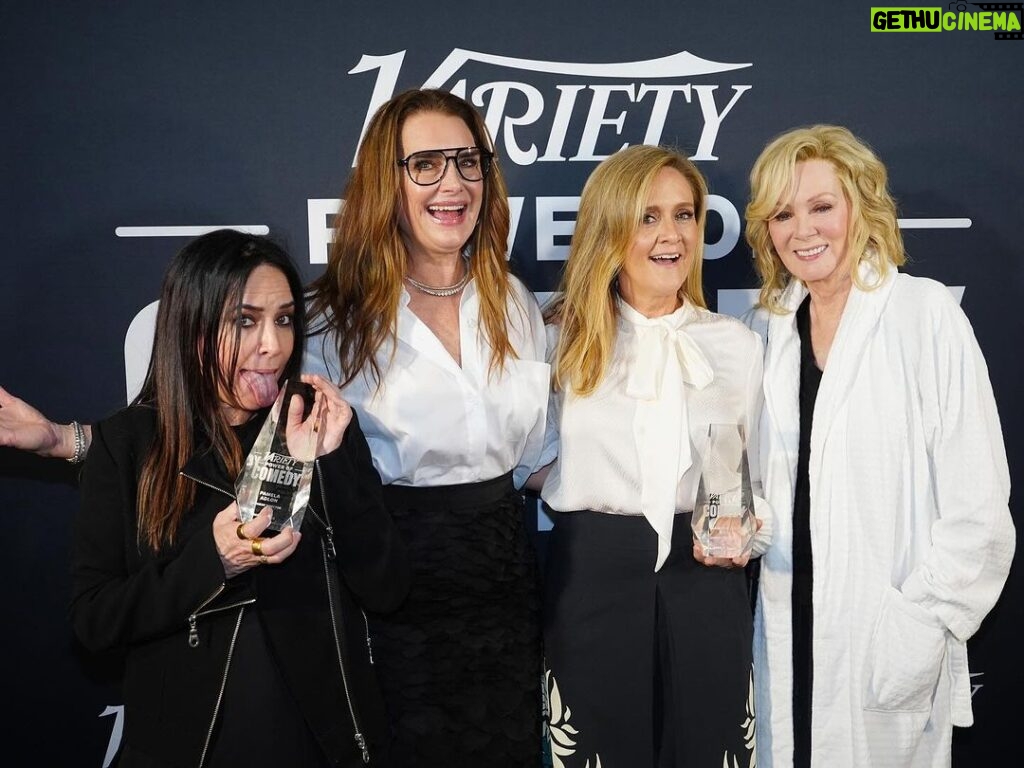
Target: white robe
<point>910,528</point>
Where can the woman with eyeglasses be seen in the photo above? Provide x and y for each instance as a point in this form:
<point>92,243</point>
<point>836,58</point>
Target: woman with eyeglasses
<point>441,352</point>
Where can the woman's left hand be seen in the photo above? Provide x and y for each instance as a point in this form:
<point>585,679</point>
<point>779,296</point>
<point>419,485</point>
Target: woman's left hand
<point>722,562</point>
<point>241,546</point>
<point>325,427</point>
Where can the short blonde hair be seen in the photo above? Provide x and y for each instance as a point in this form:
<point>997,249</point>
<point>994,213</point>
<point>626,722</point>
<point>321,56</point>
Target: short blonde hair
<point>873,231</point>
<point>611,208</point>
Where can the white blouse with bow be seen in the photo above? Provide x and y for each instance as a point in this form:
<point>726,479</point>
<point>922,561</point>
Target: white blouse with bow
<point>633,446</point>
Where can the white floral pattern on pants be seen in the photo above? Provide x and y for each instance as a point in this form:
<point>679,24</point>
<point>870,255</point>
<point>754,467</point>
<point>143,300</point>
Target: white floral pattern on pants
<point>563,736</point>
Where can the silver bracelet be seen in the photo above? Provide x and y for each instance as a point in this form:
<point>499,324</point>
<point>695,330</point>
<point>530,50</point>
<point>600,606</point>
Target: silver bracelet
<point>79,455</point>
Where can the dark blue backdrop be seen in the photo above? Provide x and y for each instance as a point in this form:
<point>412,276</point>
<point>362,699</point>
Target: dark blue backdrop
<point>231,113</point>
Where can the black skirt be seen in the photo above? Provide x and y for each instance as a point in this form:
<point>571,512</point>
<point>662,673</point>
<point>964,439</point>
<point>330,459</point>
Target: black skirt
<point>645,668</point>
<point>460,661</point>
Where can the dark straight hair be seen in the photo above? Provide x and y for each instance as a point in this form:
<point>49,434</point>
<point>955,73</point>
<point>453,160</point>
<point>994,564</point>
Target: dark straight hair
<point>185,383</point>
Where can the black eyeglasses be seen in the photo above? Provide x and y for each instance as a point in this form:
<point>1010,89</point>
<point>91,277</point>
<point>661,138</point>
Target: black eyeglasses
<point>429,166</point>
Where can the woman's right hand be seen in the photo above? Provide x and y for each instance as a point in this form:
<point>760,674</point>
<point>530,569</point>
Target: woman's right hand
<point>25,428</point>
<point>237,542</point>
<point>325,427</point>
<point>728,524</point>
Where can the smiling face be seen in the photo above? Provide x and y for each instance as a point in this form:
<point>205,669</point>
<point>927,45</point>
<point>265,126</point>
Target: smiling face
<point>811,229</point>
<point>437,221</point>
<point>663,247</point>
<point>266,337</point>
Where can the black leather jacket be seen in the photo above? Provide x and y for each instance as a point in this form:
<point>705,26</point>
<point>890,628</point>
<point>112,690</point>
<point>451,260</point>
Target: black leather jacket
<point>177,618</point>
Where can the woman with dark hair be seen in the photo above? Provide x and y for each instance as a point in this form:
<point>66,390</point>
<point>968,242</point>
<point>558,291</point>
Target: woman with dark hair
<point>238,647</point>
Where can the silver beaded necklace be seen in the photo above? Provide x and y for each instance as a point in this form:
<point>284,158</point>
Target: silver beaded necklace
<point>447,290</point>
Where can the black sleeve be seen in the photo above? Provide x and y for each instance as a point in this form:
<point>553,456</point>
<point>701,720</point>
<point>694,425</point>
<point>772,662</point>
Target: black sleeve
<point>121,593</point>
<point>371,556</point>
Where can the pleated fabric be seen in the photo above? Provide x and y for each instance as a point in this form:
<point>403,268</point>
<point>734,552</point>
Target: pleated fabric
<point>645,667</point>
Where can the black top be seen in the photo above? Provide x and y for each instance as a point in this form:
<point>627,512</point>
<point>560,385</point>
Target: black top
<point>174,615</point>
<point>258,709</point>
<point>803,614</point>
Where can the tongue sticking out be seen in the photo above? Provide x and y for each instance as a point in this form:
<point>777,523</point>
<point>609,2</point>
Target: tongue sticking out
<point>262,385</point>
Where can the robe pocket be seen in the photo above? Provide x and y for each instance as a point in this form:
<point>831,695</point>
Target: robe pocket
<point>904,657</point>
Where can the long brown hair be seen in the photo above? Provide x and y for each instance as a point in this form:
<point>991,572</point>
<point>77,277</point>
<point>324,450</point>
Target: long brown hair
<point>185,382</point>
<point>611,208</point>
<point>356,300</point>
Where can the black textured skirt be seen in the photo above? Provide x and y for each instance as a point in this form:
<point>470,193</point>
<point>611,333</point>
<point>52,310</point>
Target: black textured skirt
<point>460,661</point>
<point>645,668</point>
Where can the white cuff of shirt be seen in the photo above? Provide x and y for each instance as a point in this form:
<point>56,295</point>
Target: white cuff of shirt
<point>763,538</point>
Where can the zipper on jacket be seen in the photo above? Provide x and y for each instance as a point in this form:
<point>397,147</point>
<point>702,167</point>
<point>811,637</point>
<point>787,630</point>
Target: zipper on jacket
<point>333,554</point>
<point>193,635</point>
<point>329,555</point>
<point>193,632</point>
<point>208,485</point>
<point>369,643</point>
<point>335,620</point>
<point>223,685</point>
<point>326,522</point>
<point>328,541</point>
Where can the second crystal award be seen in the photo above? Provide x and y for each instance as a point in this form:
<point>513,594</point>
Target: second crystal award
<point>278,473</point>
<point>723,514</point>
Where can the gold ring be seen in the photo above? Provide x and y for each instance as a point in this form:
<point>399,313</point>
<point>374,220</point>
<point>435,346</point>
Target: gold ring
<point>263,559</point>
<point>238,532</point>
<point>257,547</point>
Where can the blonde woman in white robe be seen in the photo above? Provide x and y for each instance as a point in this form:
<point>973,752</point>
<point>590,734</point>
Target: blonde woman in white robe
<point>883,461</point>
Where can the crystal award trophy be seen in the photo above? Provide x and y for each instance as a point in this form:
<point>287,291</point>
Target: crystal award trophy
<point>276,473</point>
<point>723,514</point>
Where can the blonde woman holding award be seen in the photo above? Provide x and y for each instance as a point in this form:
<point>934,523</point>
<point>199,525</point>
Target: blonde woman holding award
<point>647,635</point>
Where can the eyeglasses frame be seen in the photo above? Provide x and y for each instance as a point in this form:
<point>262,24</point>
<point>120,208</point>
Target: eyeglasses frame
<point>486,157</point>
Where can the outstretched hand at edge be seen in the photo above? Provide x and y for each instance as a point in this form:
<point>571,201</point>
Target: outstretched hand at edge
<point>25,428</point>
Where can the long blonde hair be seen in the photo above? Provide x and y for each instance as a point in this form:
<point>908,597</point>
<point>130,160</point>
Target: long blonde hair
<point>357,296</point>
<point>874,234</point>
<point>611,208</point>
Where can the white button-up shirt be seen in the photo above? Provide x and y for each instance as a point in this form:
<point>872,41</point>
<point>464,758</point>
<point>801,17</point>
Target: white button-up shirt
<point>432,422</point>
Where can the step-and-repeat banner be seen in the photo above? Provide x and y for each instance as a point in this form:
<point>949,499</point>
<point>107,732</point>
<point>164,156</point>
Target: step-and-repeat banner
<point>128,127</point>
